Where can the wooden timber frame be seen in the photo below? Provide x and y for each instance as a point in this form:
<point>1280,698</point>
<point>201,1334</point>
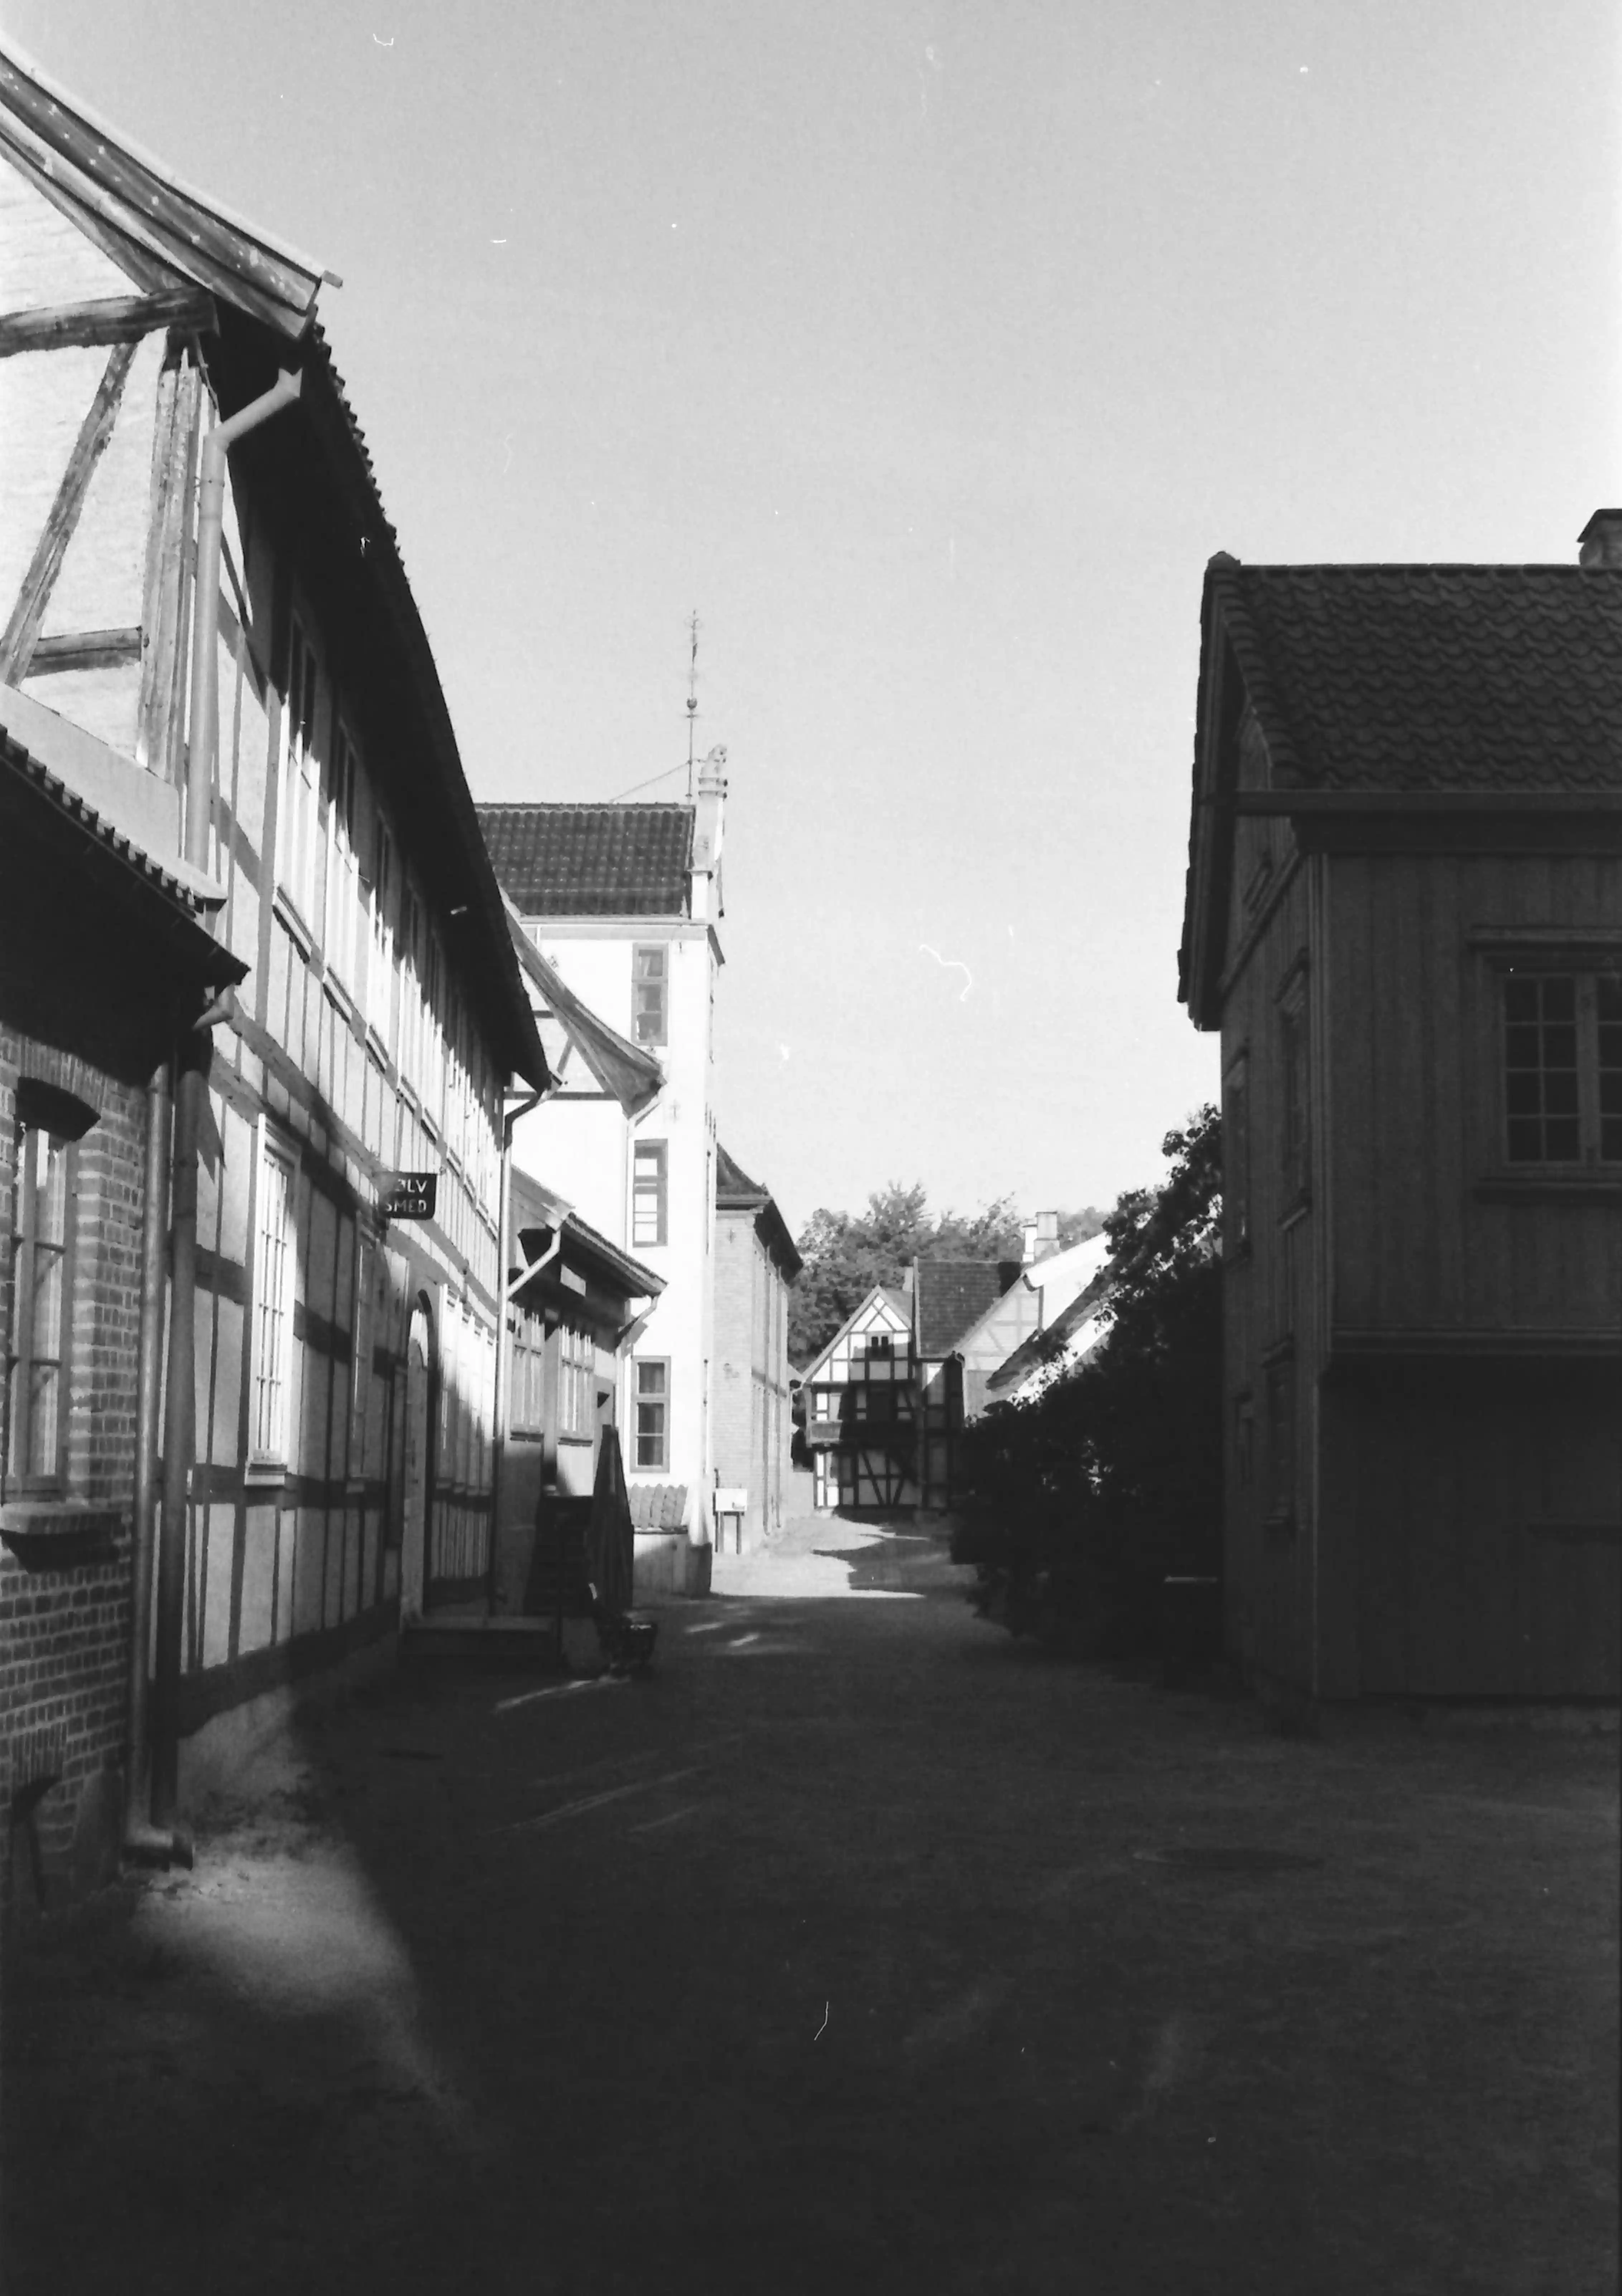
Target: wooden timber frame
<point>861,1416</point>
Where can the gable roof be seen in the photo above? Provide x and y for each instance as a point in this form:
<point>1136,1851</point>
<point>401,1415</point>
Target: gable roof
<point>1426,678</point>
<point>949,1295</point>
<point>163,236</point>
<point>140,214</point>
<point>736,1192</point>
<point>628,1072</point>
<point>1069,1338</point>
<point>1443,688</point>
<point>592,860</point>
<point>888,1296</point>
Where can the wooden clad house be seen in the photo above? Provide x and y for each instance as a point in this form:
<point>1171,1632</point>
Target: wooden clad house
<point>1404,918</point>
<point>327,1453</point>
<point>756,1262</point>
<point>861,1410</point>
<point>574,1303</point>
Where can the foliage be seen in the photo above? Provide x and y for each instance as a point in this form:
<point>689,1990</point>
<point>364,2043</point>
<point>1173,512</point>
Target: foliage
<point>1077,1503</point>
<point>846,1254</point>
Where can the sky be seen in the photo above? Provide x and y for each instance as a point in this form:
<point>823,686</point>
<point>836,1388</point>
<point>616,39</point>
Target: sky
<point>928,351</point>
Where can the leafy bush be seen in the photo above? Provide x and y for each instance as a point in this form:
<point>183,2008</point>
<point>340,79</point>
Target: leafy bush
<point>1077,1503</point>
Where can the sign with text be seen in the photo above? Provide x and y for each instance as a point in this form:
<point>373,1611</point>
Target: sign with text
<point>410,1195</point>
<point>731,1499</point>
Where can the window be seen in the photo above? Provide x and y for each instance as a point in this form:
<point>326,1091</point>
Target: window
<point>379,979</point>
<point>410,991</point>
<point>649,1193</point>
<point>528,1410</point>
<point>1562,1068</point>
<point>1295,1141</point>
<point>41,1323</point>
<point>577,1383</point>
<point>273,1303</point>
<point>881,1347</point>
<point>299,786</point>
<point>650,982</point>
<point>345,943</point>
<point>652,1396</point>
<point>1236,1160</point>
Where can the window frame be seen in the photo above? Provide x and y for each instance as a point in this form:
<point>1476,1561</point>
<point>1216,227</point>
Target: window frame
<point>576,1385</point>
<point>1585,970</point>
<point>652,952</point>
<point>299,827</point>
<point>23,1356</point>
<point>272,1461</point>
<point>659,1402</point>
<point>657,1189</point>
<point>344,941</point>
<point>1295,1094</point>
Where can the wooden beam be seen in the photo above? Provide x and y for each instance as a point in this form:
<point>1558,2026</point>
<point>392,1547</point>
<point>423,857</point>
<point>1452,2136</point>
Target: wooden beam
<point>85,650</point>
<point>109,319</point>
<point>22,631</point>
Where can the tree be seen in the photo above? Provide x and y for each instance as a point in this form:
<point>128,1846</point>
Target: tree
<point>1078,1502</point>
<point>844,1255</point>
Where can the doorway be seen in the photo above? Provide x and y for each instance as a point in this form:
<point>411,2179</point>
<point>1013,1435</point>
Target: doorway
<point>419,1421</point>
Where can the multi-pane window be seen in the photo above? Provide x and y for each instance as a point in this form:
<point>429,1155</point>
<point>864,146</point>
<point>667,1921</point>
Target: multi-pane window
<point>1562,1068</point>
<point>650,1397</point>
<point>649,987</point>
<point>345,942</point>
<point>379,971</point>
<point>300,780</point>
<point>528,1410</point>
<point>649,1193</point>
<point>37,1369</point>
<point>410,991</point>
<point>273,1302</point>
<point>576,1382</point>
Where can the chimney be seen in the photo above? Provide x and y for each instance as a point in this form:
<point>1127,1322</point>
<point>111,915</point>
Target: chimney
<point>1600,543</point>
<point>1041,1236</point>
<point>707,827</point>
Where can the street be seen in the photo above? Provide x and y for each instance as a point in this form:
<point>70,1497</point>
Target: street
<point>857,1947</point>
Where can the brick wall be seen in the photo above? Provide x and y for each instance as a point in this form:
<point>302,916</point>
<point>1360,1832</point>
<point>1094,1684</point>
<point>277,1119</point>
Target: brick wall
<point>64,1601</point>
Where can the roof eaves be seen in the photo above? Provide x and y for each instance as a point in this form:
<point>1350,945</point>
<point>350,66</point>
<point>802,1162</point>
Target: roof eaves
<point>84,161</point>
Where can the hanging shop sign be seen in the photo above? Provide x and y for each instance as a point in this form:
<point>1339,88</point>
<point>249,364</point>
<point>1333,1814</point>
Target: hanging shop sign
<point>410,1195</point>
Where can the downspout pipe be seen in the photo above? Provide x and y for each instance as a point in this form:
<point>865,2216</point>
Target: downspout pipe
<point>191,1061</point>
<point>141,1839</point>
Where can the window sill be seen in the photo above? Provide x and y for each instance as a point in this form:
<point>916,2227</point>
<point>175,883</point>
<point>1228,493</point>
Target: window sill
<point>287,909</point>
<point>1552,1185</point>
<point>584,1442</point>
<point>31,1525</point>
<point>263,1473</point>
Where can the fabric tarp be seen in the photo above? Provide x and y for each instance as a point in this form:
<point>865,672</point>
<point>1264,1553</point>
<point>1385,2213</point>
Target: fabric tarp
<point>609,1539</point>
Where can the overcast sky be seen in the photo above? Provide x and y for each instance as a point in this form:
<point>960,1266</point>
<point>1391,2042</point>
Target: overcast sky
<point>928,351</point>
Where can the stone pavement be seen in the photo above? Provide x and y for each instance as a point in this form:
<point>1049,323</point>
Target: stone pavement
<point>857,1949</point>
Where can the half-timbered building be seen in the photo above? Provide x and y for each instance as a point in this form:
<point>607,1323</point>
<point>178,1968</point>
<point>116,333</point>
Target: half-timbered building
<point>950,1297</point>
<point>860,1424</point>
<point>1405,920</point>
<point>196,570</point>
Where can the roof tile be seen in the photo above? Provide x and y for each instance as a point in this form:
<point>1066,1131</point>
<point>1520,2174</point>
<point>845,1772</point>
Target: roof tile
<point>953,1294</point>
<point>592,860</point>
<point>1431,677</point>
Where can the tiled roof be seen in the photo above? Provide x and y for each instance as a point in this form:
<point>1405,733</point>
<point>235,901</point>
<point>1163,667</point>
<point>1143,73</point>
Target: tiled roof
<point>953,1294</point>
<point>1430,677</point>
<point>736,1192</point>
<point>592,860</point>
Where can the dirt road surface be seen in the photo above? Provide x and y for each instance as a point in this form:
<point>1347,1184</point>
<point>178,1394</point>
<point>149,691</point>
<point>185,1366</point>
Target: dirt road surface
<point>857,1949</point>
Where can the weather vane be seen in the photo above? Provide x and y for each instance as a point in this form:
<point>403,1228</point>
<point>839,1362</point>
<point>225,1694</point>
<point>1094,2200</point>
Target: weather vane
<point>692,692</point>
